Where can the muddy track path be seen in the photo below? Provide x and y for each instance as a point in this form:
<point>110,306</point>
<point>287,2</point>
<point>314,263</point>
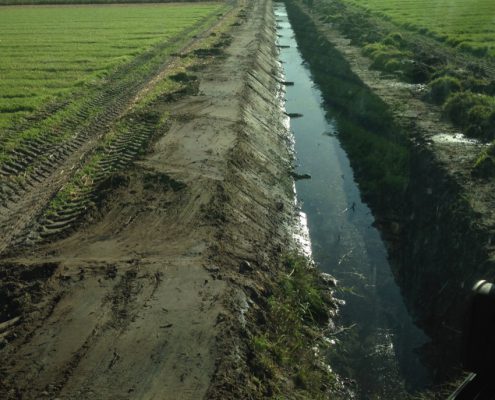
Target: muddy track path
<point>147,299</point>
<point>37,168</point>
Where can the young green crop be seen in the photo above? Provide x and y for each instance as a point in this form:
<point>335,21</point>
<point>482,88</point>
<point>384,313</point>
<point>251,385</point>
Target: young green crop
<point>465,24</point>
<point>49,52</point>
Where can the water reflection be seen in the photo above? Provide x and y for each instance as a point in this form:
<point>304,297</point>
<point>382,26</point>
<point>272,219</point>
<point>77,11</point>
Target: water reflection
<point>377,348</point>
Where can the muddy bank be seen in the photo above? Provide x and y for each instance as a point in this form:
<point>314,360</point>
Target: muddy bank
<point>160,291</point>
<point>437,219</point>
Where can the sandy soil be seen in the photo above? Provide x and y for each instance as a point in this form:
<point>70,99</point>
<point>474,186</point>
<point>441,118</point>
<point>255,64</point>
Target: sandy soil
<point>147,300</point>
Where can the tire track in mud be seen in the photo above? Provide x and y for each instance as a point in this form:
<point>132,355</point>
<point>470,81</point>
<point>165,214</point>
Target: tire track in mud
<point>151,290</point>
<point>36,169</point>
<point>123,302</point>
<point>61,217</point>
<point>129,290</point>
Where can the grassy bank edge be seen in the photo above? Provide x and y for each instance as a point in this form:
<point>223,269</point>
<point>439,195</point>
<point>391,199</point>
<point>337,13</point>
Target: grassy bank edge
<point>293,324</point>
<point>462,85</point>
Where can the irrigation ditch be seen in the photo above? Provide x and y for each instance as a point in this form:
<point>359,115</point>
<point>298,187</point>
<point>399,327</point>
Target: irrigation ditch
<point>149,250</point>
<point>414,170</point>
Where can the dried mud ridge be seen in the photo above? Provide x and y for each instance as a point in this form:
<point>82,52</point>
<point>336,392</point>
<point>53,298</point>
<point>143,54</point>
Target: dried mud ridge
<point>148,298</point>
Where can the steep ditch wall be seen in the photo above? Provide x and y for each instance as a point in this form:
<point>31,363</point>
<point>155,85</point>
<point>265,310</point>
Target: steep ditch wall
<point>440,252</point>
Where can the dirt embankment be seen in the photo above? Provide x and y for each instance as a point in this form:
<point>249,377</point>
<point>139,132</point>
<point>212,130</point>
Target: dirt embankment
<point>442,231</point>
<point>148,298</point>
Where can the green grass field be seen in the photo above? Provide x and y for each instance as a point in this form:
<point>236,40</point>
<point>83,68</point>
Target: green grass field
<point>469,24</point>
<point>32,2</point>
<point>48,52</point>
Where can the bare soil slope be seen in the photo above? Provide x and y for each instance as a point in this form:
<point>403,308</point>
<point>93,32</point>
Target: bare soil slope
<point>145,299</point>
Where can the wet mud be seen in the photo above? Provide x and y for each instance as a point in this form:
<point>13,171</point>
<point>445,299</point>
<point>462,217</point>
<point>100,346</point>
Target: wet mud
<point>147,296</point>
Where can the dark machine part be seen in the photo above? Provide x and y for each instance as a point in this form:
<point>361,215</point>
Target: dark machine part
<point>478,349</point>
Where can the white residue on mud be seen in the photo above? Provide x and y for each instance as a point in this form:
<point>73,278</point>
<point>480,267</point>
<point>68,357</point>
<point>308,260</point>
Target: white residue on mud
<point>454,139</point>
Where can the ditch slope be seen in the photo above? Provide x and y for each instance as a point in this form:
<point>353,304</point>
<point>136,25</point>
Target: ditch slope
<point>146,298</point>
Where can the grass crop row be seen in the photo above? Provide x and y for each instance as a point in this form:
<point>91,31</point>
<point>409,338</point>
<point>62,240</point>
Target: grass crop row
<point>49,52</point>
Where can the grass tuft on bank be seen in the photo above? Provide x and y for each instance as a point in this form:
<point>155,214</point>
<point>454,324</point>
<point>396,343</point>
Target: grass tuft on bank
<point>288,343</point>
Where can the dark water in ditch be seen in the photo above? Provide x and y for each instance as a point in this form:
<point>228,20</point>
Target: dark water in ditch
<point>378,347</point>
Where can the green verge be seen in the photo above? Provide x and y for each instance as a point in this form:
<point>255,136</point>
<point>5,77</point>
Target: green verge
<point>467,25</point>
<point>297,312</point>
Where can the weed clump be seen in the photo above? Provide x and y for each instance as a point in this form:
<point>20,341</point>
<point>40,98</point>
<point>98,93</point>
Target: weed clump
<point>474,112</point>
<point>442,87</point>
<point>484,167</point>
<point>394,39</point>
<point>386,58</point>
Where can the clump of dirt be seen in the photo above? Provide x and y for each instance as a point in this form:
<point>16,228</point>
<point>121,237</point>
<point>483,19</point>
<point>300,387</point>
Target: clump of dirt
<point>22,289</point>
<point>209,52</point>
<point>161,181</point>
<point>108,185</point>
